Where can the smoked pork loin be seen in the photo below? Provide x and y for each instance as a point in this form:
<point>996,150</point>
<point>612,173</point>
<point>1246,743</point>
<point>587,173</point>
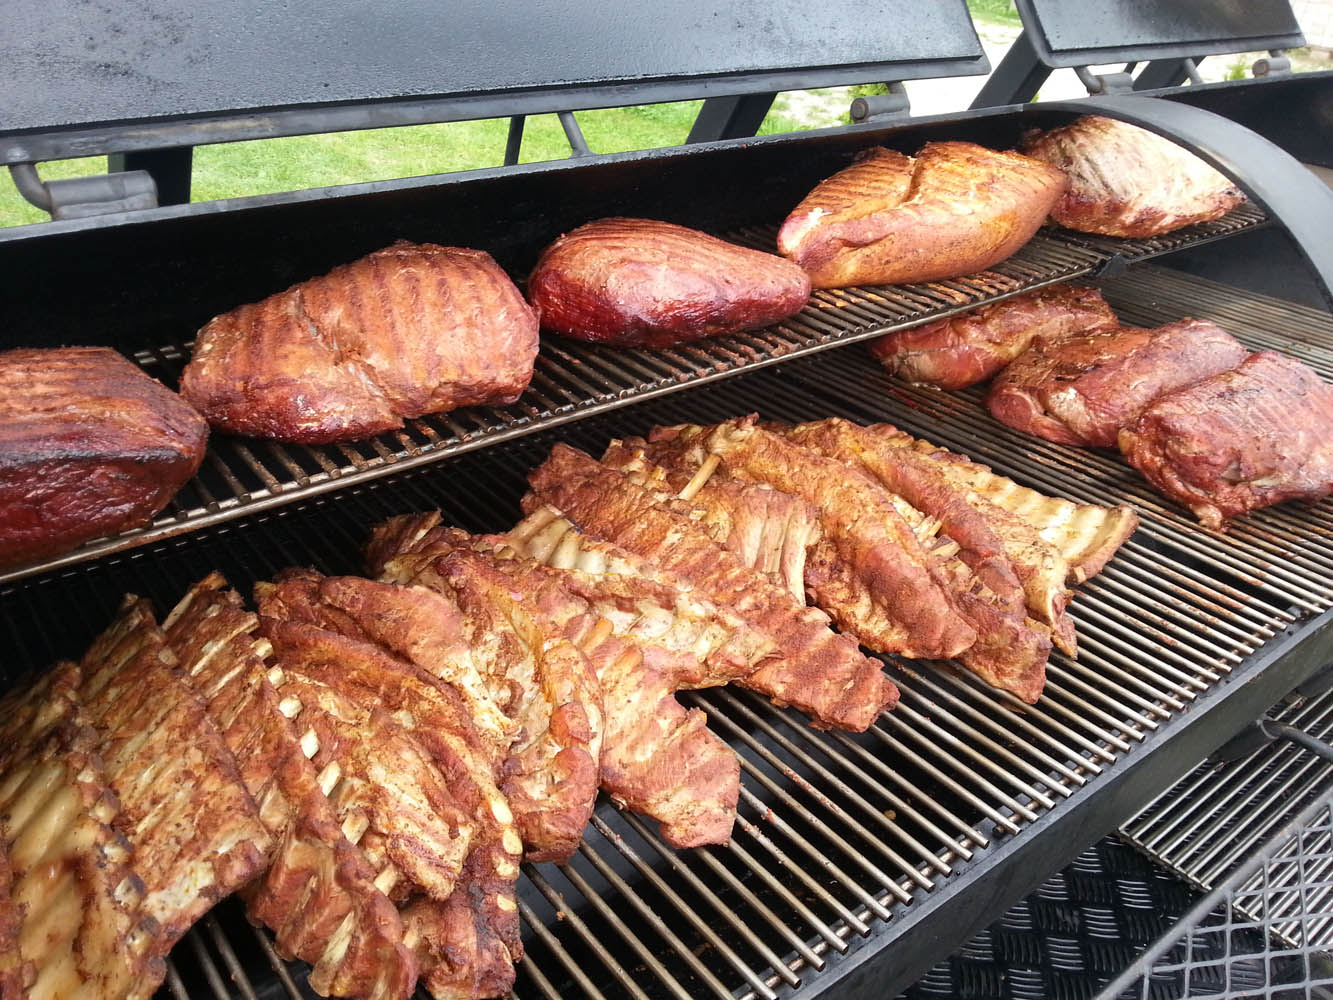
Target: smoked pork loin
<point>406,331</point>
<point>642,283</point>
<point>962,350</point>
<point>1083,389</point>
<point>1127,181</point>
<point>1244,439</point>
<point>954,208</point>
<point>90,445</point>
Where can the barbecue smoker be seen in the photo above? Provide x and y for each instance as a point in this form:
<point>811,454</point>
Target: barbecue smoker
<point>857,861</point>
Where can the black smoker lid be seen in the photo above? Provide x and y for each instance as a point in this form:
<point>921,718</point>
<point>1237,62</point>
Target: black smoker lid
<point>83,78</point>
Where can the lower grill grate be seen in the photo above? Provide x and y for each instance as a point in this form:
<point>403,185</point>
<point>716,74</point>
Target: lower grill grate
<point>844,842</point>
<point>241,476</point>
<point>1206,827</point>
<point>1264,931</point>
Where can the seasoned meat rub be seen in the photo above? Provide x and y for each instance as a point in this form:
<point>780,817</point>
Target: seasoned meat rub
<point>642,283</point>
<point>89,446</point>
<point>1127,181</point>
<point>953,209</point>
<point>1238,441</point>
<point>963,350</point>
<point>1083,389</point>
<point>406,331</point>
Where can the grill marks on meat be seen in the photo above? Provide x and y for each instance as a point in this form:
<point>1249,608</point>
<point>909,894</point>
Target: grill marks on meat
<point>962,350</point>
<point>1127,181</point>
<point>89,445</point>
<point>82,928</point>
<point>653,755</point>
<point>641,283</point>
<point>869,570</point>
<point>405,331</point>
<point>1082,537</point>
<point>14,971</point>
<point>465,943</point>
<point>769,530</point>
<point>1010,651</point>
<point>818,671</point>
<point>319,893</point>
<point>168,765</point>
<point>954,209</point>
<point>1241,440</point>
<point>1083,389</point>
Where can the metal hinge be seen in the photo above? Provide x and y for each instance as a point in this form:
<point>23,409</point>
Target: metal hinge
<point>882,107</point>
<point>1277,64</point>
<point>1105,84</point>
<point>80,197</point>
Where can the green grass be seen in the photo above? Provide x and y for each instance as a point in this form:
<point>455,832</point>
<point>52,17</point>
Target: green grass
<point>994,10</point>
<point>266,166</point>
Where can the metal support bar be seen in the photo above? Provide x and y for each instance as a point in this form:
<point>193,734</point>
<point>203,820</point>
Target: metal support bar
<point>882,107</point>
<point>578,146</point>
<point>31,185</point>
<point>514,142</point>
<point>1017,79</point>
<point>730,117</point>
<point>1100,84</point>
<point>80,197</point>
<point>1277,64</point>
<point>1275,180</point>
<point>1168,73</point>
<point>169,168</point>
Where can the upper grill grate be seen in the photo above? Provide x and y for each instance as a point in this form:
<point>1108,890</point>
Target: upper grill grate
<point>242,476</point>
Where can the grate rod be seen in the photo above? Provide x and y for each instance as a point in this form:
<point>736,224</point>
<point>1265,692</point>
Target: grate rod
<point>695,883</point>
<point>832,781</point>
<point>572,919</point>
<point>655,922</point>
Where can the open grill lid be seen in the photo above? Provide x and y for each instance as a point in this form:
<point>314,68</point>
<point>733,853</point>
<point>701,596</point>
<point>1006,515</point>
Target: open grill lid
<point>152,81</point>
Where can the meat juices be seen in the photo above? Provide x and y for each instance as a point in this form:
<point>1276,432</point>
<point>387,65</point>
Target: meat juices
<point>954,208</point>
<point>1127,181</point>
<point>90,445</point>
<point>1238,441</point>
<point>1082,390</point>
<point>406,331</point>
<point>642,283</point>
<point>963,350</point>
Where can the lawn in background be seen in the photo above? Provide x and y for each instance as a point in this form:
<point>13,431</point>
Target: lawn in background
<point>238,169</point>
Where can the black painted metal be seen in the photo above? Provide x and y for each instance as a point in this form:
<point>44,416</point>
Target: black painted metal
<point>1162,73</point>
<point>982,890</point>
<point>1270,176</point>
<point>80,80</point>
<point>730,117</point>
<point>1094,32</point>
<point>169,168</point>
<point>1077,931</point>
<point>1018,77</point>
<point>1295,112</point>
<point>1166,35</point>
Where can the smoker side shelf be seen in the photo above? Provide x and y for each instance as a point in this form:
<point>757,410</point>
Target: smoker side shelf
<point>572,381</point>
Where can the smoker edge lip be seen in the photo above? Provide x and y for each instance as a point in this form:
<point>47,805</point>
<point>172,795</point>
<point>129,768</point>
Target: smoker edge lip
<point>980,890</point>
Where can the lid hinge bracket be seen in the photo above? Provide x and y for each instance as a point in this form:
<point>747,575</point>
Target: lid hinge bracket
<point>1277,63</point>
<point>892,106</point>
<point>1105,84</point>
<point>80,197</point>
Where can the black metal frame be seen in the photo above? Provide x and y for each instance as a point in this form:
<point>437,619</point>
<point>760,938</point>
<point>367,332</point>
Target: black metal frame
<point>158,139</point>
<point>981,890</point>
<point>1032,58</point>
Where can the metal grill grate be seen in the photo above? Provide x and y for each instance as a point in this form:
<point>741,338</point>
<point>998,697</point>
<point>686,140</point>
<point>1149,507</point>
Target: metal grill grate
<point>572,380</point>
<point>1265,931</point>
<point>846,844</point>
